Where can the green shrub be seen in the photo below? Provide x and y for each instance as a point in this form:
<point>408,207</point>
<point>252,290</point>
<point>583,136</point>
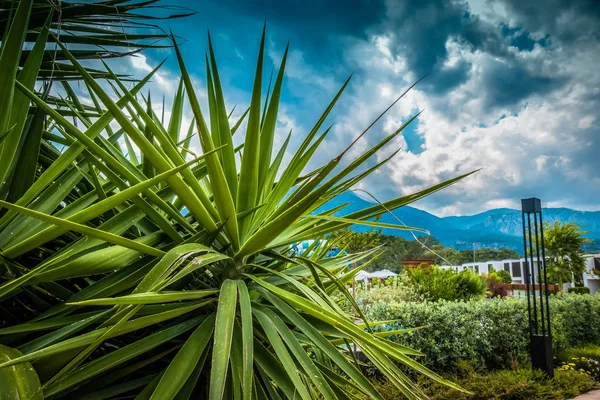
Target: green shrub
<point>580,315</point>
<point>523,383</point>
<point>492,334</point>
<point>453,331</point>
<point>504,276</point>
<point>579,290</point>
<point>589,351</point>
<point>435,284</point>
<point>382,294</point>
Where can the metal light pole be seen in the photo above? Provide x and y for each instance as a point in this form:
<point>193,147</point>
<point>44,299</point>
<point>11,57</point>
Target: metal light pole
<point>537,301</point>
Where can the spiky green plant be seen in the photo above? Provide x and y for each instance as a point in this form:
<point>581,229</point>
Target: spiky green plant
<point>97,30</point>
<point>169,275</point>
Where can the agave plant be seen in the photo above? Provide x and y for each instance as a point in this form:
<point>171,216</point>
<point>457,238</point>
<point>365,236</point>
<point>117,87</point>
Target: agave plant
<point>171,275</point>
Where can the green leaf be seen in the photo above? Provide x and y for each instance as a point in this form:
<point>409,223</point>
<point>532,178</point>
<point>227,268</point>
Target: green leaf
<point>267,133</point>
<point>87,338</point>
<point>324,345</point>
<point>247,196</point>
<point>222,339</point>
<point>282,354</point>
<point>185,361</point>
<point>148,298</point>
<point>19,381</point>
<point>366,223</point>
<point>120,356</point>
<point>72,223</point>
<point>83,229</point>
<point>222,195</point>
<point>156,158</point>
<point>185,393</point>
<point>9,64</point>
<point>299,353</point>
<point>227,155</point>
<point>115,390</point>
<point>176,114</point>
<point>247,339</point>
<point>53,337</point>
<point>70,154</point>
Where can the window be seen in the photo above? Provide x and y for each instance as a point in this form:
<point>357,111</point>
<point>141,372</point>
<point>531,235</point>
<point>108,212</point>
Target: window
<point>507,267</point>
<point>477,268</point>
<point>516,269</point>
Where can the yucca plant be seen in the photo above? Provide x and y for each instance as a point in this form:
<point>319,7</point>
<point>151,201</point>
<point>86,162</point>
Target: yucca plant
<point>169,274</point>
<point>95,30</point>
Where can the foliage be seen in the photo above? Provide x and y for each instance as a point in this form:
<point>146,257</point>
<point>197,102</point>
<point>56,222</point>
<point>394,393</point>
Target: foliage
<point>492,334</point>
<point>19,382</point>
<point>386,294</point>
<point>579,290</point>
<point>495,287</point>
<point>497,282</point>
<point>486,254</point>
<point>523,383</point>
<point>588,351</point>
<point>585,365</point>
<point>164,274</point>
<point>96,30</point>
<point>398,248</point>
<point>504,276</point>
<point>564,243</point>
<point>355,242</point>
<point>435,284</point>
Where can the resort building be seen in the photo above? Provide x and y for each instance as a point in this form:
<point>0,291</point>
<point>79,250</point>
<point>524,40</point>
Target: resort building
<point>517,267</point>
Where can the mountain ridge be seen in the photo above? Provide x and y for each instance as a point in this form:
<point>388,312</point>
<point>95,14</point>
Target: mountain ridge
<point>495,228</point>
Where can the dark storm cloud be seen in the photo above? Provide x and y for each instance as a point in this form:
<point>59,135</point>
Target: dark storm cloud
<point>421,30</point>
<point>507,84</point>
<point>564,20</point>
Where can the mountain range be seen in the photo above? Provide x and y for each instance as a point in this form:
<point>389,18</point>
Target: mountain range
<point>499,227</point>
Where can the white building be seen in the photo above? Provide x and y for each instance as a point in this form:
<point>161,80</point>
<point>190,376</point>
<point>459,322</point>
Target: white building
<point>516,268</point>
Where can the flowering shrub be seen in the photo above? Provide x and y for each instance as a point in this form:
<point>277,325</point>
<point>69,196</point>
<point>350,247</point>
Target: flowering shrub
<point>583,365</point>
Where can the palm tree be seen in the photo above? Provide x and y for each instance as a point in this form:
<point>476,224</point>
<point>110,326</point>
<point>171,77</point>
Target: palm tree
<point>566,259</point>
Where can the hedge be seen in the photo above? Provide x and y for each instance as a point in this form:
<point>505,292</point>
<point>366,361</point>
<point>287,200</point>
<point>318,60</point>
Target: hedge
<point>579,290</point>
<point>492,333</point>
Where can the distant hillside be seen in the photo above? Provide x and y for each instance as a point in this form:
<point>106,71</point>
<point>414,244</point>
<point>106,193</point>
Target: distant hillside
<point>494,228</point>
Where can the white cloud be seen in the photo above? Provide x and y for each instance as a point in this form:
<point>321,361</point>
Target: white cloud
<point>140,62</point>
<point>537,146</point>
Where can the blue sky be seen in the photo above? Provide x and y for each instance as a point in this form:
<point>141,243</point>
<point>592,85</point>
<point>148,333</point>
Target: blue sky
<point>513,88</point>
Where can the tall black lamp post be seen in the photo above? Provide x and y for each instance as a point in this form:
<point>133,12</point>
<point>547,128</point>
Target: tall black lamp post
<point>536,282</point>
